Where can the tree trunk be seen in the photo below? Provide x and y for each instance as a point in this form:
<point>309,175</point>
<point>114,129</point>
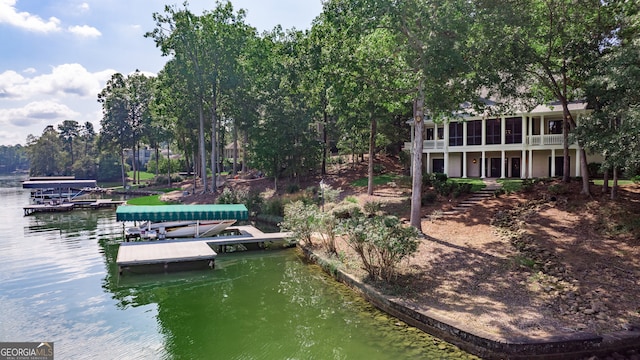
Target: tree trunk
<point>157,160</point>
<point>614,188</point>
<point>416,187</point>
<point>372,154</point>
<point>235,148</point>
<point>203,151</point>
<point>566,169</point>
<point>245,145</point>
<point>605,183</point>
<point>214,143</point>
<point>323,171</point>
<point>124,179</point>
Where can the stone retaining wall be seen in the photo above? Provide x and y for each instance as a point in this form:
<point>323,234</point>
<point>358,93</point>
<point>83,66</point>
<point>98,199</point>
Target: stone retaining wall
<point>489,346</point>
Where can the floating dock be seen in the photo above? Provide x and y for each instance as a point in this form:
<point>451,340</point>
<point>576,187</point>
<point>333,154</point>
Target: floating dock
<point>73,204</point>
<point>174,254</point>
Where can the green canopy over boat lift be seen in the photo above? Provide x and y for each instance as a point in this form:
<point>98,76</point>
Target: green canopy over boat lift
<point>156,213</point>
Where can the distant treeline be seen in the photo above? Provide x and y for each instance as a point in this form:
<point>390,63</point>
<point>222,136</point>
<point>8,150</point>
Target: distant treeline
<point>13,158</point>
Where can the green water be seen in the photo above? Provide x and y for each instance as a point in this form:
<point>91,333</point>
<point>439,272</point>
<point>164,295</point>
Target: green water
<point>58,283</point>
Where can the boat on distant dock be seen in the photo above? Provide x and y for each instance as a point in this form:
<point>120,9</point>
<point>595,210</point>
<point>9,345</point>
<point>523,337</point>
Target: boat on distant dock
<point>179,221</point>
<point>178,229</point>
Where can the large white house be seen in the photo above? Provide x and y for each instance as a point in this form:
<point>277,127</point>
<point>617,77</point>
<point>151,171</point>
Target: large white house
<point>524,145</point>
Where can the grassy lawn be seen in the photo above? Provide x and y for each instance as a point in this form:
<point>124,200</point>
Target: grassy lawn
<point>147,200</point>
<point>143,175</point>
<point>511,185</point>
<point>620,182</point>
<point>476,184</point>
<point>377,180</point>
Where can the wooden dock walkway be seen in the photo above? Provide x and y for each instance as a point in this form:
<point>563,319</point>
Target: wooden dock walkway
<point>73,204</point>
<point>189,250</point>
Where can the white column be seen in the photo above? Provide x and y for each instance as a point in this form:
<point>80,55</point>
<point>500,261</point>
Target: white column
<point>484,132</point>
<point>446,162</point>
<point>483,173</point>
<point>542,130</point>
<point>503,164</point>
<point>523,164</point>
<point>429,170</point>
<point>578,159</point>
<point>524,130</point>
<point>503,130</point>
<point>553,162</point>
<point>464,164</point>
<point>530,129</point>
<point>464,133</point>
<point>530,164</point>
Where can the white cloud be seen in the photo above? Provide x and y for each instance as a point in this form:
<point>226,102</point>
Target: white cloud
<point>83,7</point>
<point>64,80</point>
<point>84,31</point>
<point>30,70</point>
<point>24,20</point>
<point>37,112</point>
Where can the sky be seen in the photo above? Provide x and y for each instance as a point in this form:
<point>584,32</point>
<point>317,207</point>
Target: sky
<point>57,55</point>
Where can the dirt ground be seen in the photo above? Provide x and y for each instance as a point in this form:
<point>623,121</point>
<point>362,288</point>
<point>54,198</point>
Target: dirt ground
<point>534,264</point>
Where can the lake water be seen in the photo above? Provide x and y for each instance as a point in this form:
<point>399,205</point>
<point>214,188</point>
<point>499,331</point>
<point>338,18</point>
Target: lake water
<point>58,283</point>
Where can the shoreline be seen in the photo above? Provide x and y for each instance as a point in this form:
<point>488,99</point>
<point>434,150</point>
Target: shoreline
<point>574,346</point>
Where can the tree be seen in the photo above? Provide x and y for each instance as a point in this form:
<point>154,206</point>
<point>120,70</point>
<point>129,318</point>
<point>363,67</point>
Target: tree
<point>45,153</point>
<point>613,129</point>
<point>69,130</point>
<point>544,50</point>
<point>117,131</point>
<point>431,37</point>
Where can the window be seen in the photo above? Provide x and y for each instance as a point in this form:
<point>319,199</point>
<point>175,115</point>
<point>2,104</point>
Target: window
<point>474,132</point>
<point>513,131</point>
<point>429,134</point>
<point>493,131</point>
<point>555,126</point>
<point>455,134</point>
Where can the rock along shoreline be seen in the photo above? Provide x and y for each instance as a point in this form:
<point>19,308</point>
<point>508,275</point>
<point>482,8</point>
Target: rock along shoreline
<point>489,346</point>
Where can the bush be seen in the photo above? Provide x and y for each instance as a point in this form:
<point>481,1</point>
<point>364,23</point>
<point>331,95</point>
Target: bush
<point>429,197</point>
<point>251,199</point>
<point>293,188</point>
<point>381,243</point>
<point>300,219</point>
<point>558,189</point>
<point>274,206</point>
<point>372,208</point>
<point>527,185</point>
<point>346,210</point>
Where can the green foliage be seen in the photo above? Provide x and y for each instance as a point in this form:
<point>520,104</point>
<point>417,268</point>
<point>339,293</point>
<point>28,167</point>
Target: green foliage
<point>293,188</point>
<point>510,185</point>
<point>347,210</point>
<point>143,175</point>
<point>558,189</point>
<point>147,200</point>
<point>274,206</point>
<point>351,199</point>
<point>377,180</point>
<point>301,219</point>
<point>429,197</point>
<point>13,158</point>
<point>381,243</point>
<point>372,208</point>
<point>251,199</point>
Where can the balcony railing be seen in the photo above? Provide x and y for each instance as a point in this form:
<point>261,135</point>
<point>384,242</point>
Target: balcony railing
<point>536,140</point>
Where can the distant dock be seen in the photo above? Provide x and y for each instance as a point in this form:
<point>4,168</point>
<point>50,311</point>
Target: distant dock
<point>175,254</point>
<point>54,206</point>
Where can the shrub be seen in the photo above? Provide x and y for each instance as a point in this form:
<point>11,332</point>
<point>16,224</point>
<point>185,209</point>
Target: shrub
<point>346,210</point>
<point>251,199</point>
<point>378,169</point>
<point>527,185</point>
<point>372,208</point>
<point>558,189</point>
<point>293,188</point>
<point>429,197</point>
<point>273,206</point>
<point>300,219</point>
<point>381,243</point>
